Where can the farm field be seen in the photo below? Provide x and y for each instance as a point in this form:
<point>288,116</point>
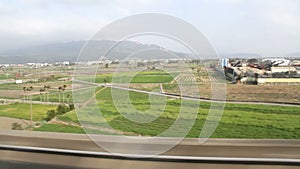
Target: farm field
<point>148,76</point>
<point>5,77</point>
<point>250,93</point>
<point>238,120</point>
<point>15,91</point>
<point>65,97</point>
<point>22,111</point>
<point>151,79</point>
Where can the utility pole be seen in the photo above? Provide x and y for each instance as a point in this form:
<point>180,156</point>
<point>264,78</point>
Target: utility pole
<point>31,123</point>
<point>47,97</point>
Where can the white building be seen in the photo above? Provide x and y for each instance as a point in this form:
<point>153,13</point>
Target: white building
<point>283,69</point>
<point>19,81</point>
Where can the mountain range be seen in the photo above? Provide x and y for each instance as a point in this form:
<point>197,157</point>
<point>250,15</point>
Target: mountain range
<point>69,51</point>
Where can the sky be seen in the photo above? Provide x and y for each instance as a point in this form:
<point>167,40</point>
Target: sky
<point>265,27</point>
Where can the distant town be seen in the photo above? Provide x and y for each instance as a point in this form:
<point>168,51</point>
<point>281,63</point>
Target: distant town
<point>262,71</point>
<point>256,71</point>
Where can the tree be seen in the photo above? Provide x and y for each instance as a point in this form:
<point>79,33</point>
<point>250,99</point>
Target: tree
<point>41,95</point>
<point>72,107</point>
<point>29,89</point>
<point>62,109</point>
<point>50,115</point>
<point>106,65</point>
<point>42,90</point>
<point>24,90</point>
<point>59,90</point>
<point>47,93</point>
<point>68,97</point>
<point>105,80</point>
<point>63,92</point>
<point>52,77</point>
<point>62,89</point>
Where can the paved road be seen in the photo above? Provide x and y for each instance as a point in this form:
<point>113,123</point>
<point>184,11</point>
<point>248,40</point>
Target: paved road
<point>7,81</point>
<point>220,148</point>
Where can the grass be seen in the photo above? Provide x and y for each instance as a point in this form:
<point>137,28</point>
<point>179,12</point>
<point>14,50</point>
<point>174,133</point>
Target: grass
<point>238,120</point>
<point>153,76</point>
<point>63,128</point>
<point>11,86</point>
<point>60,128</point>
<point>22,111</point>
<point>69,117</point>
<point>5,77</point>
<point>171,88</point>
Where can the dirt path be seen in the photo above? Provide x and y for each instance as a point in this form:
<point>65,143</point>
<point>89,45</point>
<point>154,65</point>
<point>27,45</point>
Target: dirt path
<point>6,122</point>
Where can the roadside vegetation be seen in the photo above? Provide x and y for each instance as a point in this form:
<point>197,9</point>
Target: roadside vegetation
<point>60,128</point>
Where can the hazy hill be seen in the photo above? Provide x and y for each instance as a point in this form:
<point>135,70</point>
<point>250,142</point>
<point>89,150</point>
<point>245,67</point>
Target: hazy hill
<point>295,54</point>
<point>69,52</point>
<point>241,55</point>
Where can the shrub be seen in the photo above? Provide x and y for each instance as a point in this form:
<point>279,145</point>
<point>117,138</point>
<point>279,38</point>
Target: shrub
<point>50,115</point>
<point>16,126</point>
<point>62,109</point>
<point>71,106</point>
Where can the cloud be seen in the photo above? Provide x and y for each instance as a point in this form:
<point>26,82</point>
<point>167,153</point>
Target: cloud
<point>222,1</point>
<point>5,9</point>
<point>104,2</point>
<point>284,15</point>
<point>232,24</point>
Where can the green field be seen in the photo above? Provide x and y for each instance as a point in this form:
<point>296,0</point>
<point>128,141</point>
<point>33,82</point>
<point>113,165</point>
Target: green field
<point>10,86</point>
<point>67,129</point>
<point>69,117</point>
<point>5,77</point>
<point>153,76</point>
<point>238,120</point>
<point>60,128</point>
<point>22,111</point>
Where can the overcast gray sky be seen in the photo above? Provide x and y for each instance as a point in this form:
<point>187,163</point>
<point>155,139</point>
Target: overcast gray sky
<point>266,27</point>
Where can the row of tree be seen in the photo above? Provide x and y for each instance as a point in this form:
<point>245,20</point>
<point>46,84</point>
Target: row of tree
<point>44,94</point>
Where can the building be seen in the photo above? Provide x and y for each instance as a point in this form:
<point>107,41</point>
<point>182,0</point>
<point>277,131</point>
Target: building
<point>278,81</point>
<point>19,81</point>
<point>283,69</point>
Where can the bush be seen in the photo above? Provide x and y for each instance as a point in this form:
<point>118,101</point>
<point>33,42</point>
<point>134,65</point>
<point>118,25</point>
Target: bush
<point>50,115</point>
<point>16,126</point>
<point>62,109</point>
<point>71,106</point>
